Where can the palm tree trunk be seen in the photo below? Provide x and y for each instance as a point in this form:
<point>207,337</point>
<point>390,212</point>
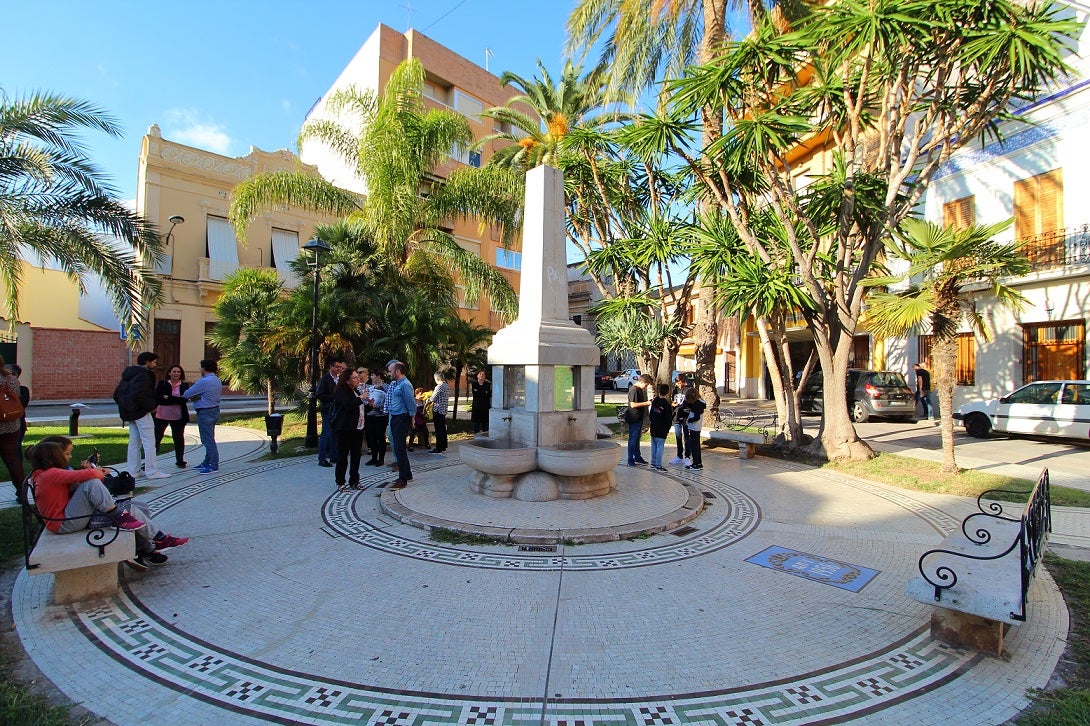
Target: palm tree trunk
<point>706,330</point>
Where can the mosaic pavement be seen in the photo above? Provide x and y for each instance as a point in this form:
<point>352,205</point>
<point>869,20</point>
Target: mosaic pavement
<point>295,605</point>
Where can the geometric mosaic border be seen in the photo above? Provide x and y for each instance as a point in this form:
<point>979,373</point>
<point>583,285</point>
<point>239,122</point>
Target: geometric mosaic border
<point>733,516</point>
<point>146,644</point>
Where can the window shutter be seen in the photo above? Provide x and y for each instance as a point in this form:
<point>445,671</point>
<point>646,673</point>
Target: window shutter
<point>959,213</point>
<point>1050,201</point>
<point>1025,203</point>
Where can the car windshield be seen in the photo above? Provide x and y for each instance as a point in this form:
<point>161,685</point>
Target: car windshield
<point>888,379</point>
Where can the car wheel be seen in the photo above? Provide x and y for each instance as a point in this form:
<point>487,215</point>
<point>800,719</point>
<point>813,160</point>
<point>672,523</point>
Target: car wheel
<point>859,412</point>
<point>978,426</point>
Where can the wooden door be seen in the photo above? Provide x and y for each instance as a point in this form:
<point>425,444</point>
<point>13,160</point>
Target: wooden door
<point>168,342</point>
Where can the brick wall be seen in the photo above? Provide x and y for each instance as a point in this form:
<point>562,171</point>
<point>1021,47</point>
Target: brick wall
<point>76,364</point>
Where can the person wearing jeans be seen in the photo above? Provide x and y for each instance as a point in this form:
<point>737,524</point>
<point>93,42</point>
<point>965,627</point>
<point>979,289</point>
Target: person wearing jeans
<point>135,398</point>
<point>637,412</point>
<point>400,402</point>
<point>205,394</point>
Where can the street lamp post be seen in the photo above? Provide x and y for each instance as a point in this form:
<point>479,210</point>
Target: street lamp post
<point>316,246</point>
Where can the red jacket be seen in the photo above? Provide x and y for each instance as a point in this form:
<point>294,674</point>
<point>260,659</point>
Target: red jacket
<point>53,491</point>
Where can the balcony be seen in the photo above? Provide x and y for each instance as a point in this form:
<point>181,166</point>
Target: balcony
<point>1058,249</point>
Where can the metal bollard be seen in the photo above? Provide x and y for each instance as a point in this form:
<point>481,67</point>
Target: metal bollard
<point>73,420</point>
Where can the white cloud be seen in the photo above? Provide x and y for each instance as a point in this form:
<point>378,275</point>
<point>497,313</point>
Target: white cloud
<point>190,127</point>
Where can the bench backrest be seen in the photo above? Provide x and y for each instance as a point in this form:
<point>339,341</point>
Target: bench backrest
<point>1034,524</point>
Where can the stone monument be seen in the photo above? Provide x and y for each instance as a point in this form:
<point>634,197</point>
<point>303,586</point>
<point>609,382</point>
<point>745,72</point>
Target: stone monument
<point>543,424</point>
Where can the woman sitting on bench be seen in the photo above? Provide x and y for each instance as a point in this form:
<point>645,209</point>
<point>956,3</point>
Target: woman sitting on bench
<point>67,498</point>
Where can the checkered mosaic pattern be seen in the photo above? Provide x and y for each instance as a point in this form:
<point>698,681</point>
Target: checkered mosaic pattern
<point>155,649</point>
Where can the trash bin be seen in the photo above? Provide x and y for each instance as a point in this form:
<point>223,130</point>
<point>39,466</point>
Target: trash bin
<point>274,427</point>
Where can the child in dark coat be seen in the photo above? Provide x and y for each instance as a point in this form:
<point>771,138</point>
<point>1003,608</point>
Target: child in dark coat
<point>660,416</point>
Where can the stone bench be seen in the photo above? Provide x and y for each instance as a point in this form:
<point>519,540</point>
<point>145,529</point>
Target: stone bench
<point>83,564</point>
<point>748,441</point>
<point>979,578</point>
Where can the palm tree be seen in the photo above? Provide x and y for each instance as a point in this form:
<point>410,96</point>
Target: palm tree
<point>56,206</point>
<point>463,347</point>
<point>561,107</point>
<point>939,263</point>
<point>644,41</point>
<point>407,210</point>
<point>248,312</point>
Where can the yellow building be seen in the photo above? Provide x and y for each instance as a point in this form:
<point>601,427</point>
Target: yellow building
<point>186,193</point>
<point>452,82</point>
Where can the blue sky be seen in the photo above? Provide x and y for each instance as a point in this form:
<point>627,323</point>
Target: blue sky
<point>228,75</point>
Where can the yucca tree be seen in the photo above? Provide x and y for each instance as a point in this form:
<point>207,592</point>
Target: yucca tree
<point>556,108</point>
<point>892,88</point>
<point>937,264</point>
<point>407,210</point>
<point>56,206</point>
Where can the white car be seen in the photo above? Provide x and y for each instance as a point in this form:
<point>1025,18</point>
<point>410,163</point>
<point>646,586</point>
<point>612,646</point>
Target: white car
<point>1046,408</point>
<point>625,379</point>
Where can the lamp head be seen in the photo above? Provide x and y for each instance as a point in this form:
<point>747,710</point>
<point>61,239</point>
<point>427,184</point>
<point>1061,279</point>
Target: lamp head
<point>176,219</point>
<point>316,246</point>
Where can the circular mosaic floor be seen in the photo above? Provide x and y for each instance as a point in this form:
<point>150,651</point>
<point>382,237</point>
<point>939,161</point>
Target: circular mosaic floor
<point>273,613</point>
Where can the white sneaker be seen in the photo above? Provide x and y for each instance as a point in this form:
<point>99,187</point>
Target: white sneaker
<point>676,460</point>
<point>159,475</point>
<point>688,461</point>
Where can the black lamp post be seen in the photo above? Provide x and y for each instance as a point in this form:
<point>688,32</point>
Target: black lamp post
<point>316,246</point>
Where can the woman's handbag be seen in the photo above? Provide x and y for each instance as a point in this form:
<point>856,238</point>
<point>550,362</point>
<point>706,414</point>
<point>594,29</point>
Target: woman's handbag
<point>11,409</point>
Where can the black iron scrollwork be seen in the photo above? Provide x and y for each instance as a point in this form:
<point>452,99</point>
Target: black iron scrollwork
<point>1034,526</point>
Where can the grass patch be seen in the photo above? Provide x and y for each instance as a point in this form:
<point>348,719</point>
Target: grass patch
<point>927,476</point>
<point>112,442</point>
<point>11,539</point>
<point>1069,705</point>
<point>450,536</point>
<point>18,705</point>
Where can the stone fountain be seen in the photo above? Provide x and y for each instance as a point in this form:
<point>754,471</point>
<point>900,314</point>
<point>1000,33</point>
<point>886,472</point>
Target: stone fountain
<point>544,442</point>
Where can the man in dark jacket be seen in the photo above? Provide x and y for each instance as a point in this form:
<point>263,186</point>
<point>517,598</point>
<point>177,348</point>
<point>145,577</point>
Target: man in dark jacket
<point>135,398</point>
<point>327,442</point>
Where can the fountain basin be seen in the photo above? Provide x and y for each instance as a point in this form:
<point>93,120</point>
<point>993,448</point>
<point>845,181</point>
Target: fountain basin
<point>495,456</point>
<point>579,458</point>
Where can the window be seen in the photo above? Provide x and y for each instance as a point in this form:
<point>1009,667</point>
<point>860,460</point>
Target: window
<point>964,365</point>
<point>1040,394</point>
<point>1054,351</point>
<point>959,213</point>
<point>860,356</point>
<point>508,260</point>
<point>285,248</point>
<point>1038,204</point>
<point>467,105</point>
<point>1077,394</point>
<point>221,248</point>
<point>466,156</point>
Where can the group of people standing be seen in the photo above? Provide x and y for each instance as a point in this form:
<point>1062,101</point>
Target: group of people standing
<point>680,408</point>
<point>151,407</point>
<point>362,407</point>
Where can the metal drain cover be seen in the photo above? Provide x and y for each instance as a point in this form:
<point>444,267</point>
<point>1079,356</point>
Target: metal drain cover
<point>537,548</point>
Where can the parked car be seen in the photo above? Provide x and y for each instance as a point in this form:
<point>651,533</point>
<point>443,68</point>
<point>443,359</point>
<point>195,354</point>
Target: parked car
<point>624,379</point>
<point>602,380</point>
<point>690,377</point>
<point>1047,408</point>
<point>870,393</point>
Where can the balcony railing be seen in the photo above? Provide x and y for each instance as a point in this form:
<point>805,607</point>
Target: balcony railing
<point>1058,249</point>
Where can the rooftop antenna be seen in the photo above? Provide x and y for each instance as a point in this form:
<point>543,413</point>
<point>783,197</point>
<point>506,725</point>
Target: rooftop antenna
<point>488,54</point>
<point>409,12</point>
